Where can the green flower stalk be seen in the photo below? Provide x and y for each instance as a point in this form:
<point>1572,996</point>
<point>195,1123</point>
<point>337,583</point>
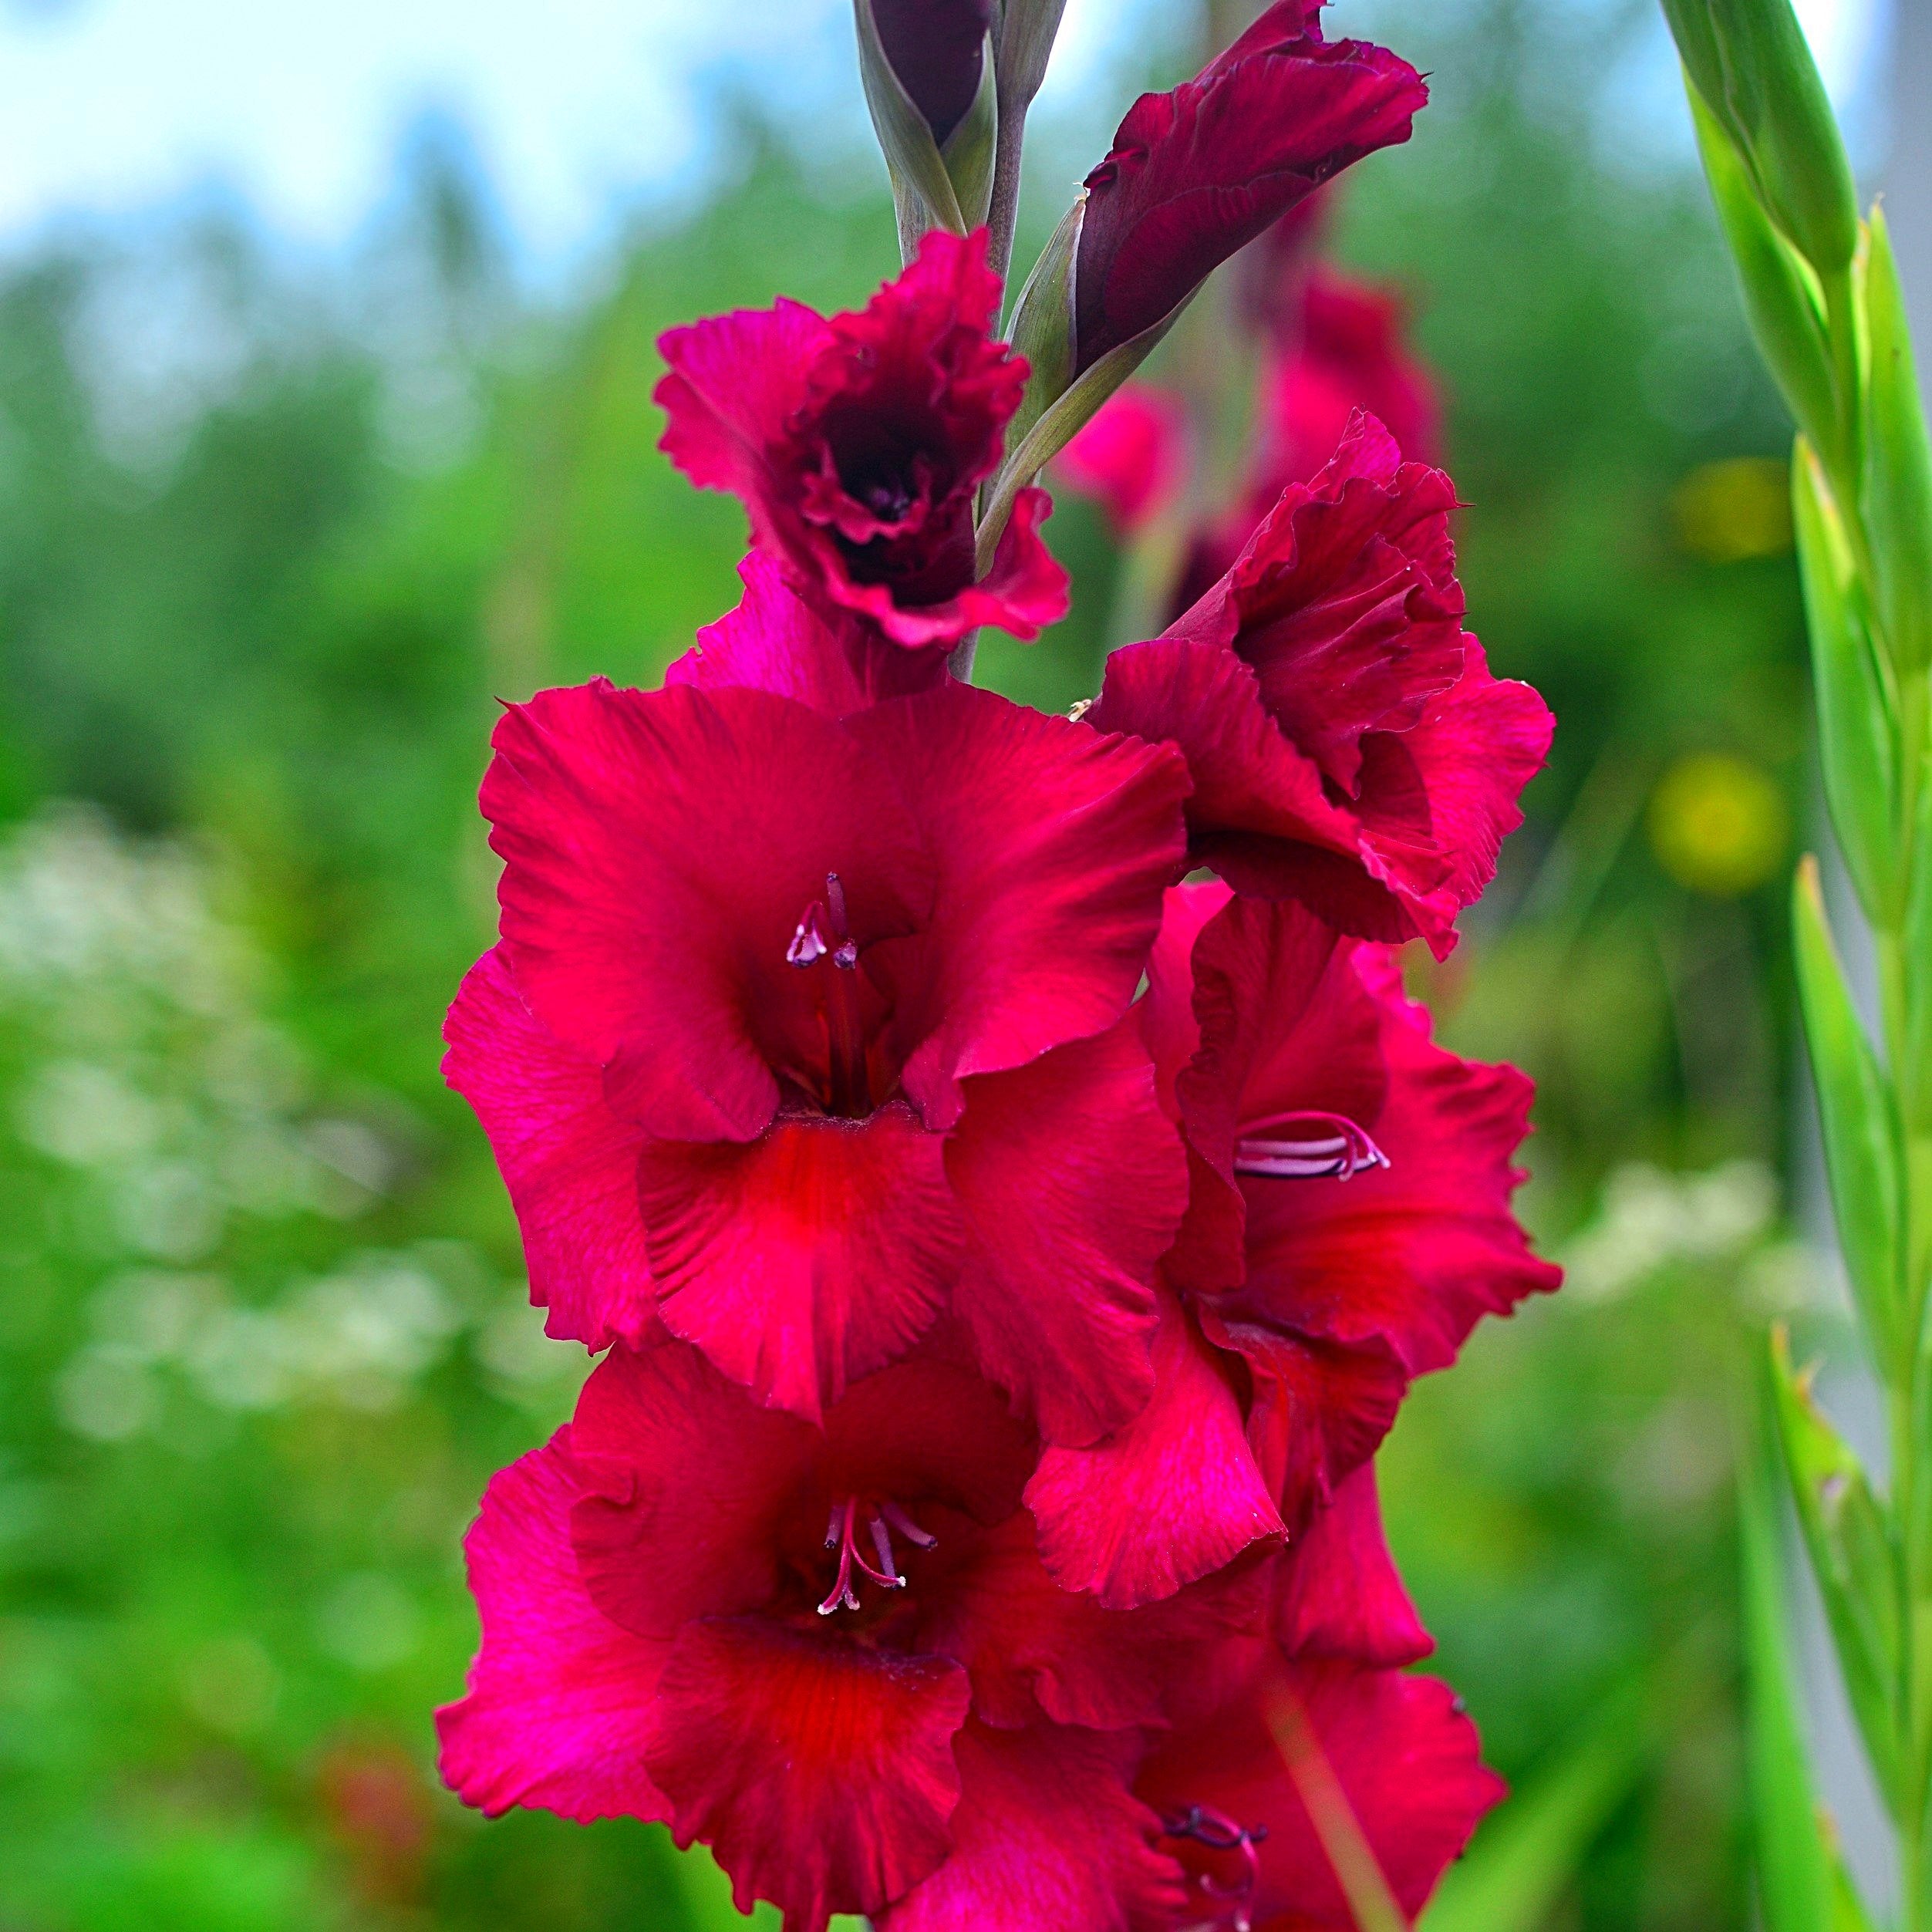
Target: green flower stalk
<point>1821,292</point>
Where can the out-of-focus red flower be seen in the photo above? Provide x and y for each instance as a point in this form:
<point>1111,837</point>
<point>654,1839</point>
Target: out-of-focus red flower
<point>378,1808</point>
<point>1194,174</point>
<point>1349,353</point>
<point>831,1654</point>
<point>936,49</point>
<point>803,1030</point>
<point>857,444</point>
<point>1132,458</point>
<point>1348,746</point>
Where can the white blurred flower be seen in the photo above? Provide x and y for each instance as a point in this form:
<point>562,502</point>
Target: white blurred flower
<point>1650,1219</point>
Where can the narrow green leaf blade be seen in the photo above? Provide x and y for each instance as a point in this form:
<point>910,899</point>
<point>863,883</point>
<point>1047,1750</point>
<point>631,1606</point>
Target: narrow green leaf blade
<point>1859,1120</point>
<point>1853,1557</point>
<point>1796,1882</point>
<point>1857,723</point>
<point>1898,474</point>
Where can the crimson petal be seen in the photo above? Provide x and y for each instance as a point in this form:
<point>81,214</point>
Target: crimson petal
<point>1072,1183</point>
<point>1046,1834</point>
<point>559,1706</point>
<point>820,1773</point>
<point>569,1160</point>
<point>807,1258</point>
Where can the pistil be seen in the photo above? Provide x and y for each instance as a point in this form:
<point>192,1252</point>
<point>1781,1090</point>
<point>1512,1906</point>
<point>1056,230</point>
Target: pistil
<point>824,933</point>
<point>1310,1146</point>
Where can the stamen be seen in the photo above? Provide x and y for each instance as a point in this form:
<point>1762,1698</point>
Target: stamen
<point>808,942</point>
<point>846,953</point>
<point>1219,1833</point>
<point>906,1527</point>
<point>881,1519</point>
<point>1307,1147</point>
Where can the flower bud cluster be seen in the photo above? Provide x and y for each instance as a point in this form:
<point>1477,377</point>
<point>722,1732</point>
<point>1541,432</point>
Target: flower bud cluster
<point>1007,1245</point>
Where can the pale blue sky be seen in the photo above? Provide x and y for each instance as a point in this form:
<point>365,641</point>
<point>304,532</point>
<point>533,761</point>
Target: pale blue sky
<point>110,107</point>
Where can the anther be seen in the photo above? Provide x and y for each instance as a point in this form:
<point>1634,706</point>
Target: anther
<point>1307,1147</point>
<point>808,942</point>
<point>841,1535</point>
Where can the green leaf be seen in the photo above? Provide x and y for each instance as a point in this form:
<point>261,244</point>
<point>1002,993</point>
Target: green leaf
<point>1857,725</point>
<point>1856,1111</point>
<point>921,188</point>
<point>1898,471</point>
<point>1797,1879</point>
<point>1749,63</point>
<point>1781,296</point>
<point>1522,1860</point>
<point>1853,1555</point>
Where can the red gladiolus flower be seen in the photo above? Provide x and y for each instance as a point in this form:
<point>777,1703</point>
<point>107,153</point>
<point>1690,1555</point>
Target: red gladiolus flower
<point>1132,458</point>
<point>857,444</point>
<point>1348,746</point>
<point>802,1029</point>
<point>1194,174</point>
<point>1348,1224</point>
<point>830,1653</point>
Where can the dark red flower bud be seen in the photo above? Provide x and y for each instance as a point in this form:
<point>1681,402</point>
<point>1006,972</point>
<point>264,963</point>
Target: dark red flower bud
<point>937,49</point>
<point>1198,173</point>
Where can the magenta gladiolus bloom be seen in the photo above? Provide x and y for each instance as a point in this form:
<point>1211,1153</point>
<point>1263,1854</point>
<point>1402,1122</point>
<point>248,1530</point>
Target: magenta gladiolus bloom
<point>806,1029</point>
<point>1348,1224</point>
<point>857,444</point>
<point>1348,746</point>
<point>830,1653</point>
<point>1197,174</point>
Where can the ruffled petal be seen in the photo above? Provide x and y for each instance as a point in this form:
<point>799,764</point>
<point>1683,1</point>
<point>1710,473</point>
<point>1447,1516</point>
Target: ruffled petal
<point>1404,1757</point>
<point>658,851</point>
<point>734,382</point>
<point>1414,1254</point>
<point>1072,1183</point>
<point>569,1160</point>
<point>805,1259</point>
<point>1337,1591</point>
<point>559,1702</point>
<point>1194,174</point>
<point>821,1775</point>
<point>1053,843</point>
<point>775,641</point>
<point>1172,1497</point>
<point>1046,1834</point>
<point>691,1492</point>
<point>1033,1649</point>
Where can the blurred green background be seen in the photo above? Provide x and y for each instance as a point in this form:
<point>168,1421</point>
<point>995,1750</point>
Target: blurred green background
<point>263,1329</point>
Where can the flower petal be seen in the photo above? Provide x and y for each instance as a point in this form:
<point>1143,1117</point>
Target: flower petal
<point>1046,1834</point>
<point>569,1160</point>
<point>1052,843</point>
<point>1194,174</point>
<point>1338,1593</point>
<point>775,641</point>
<point>559,1699</point>
<point>1072,1183</point>
<point>1404,1757</point>
<point>821,1775</point>
<point>659,850</point>
<point>1172,1497</point>
<point>1132,459</point>
<point>1033,1649</point>
<point>807,1258</point>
